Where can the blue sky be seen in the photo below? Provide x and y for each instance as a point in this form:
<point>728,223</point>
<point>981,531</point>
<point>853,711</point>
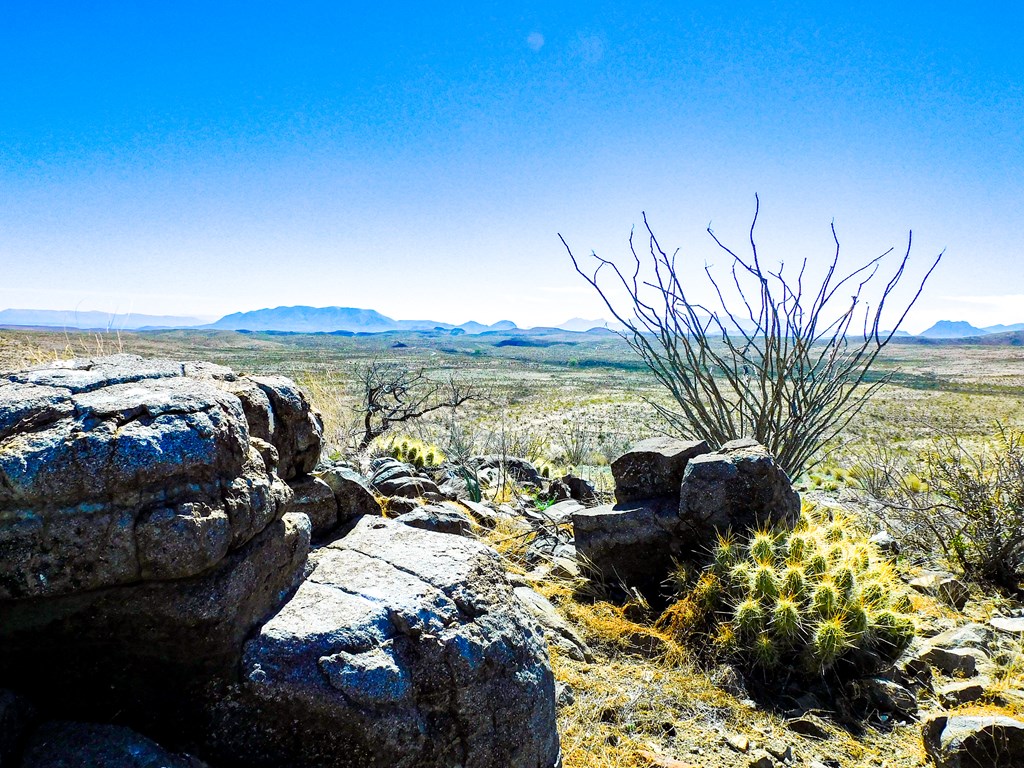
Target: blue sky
<point>181,158</point>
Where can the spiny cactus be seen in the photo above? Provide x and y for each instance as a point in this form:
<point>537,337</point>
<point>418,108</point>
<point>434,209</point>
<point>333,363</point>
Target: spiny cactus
<point>805,598</point>
<point>413,451</point>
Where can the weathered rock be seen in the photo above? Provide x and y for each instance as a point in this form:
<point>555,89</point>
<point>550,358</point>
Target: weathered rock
<point>352,492</point>
<point>964,741</point>
<point>87,745</point>
<point>886,543</point>
<point>441,518</point>
<point>561,512</point>
<point>16,716</point>
<point>518,469</point>
<point>972,635</point>
<point>944,586</point>
<point>315,499</point>
<point>811,726</point>
<point>632,542</point>
<point>579,489</point>
<point>398,480</point>
<point>150,649</point>
<point>1010,625</point>
<point>888,696</point>
<point>959,662</point>
<point>298,429</point>
<point>403,648</point>
<point>739,487</point>
<point>964,692</point>
<point>654,467</point>
<point>556,629</point>
<point>119,469</point>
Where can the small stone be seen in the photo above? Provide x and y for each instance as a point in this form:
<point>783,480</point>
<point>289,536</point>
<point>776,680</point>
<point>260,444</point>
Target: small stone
<point>761,759</point>
<point>809,726</point>
<point>944,586</point>
<point>655,760</point>
<point>780,750</point>
<point>738,742</point>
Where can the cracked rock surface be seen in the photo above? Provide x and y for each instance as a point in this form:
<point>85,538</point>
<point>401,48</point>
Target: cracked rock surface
<point>403,647</point>
<point>117,470</point>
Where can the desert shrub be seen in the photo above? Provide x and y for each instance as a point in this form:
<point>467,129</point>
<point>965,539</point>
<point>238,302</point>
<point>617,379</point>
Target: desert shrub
<point>802,599</point>
<point>967,501</point>
<point>772,356</point>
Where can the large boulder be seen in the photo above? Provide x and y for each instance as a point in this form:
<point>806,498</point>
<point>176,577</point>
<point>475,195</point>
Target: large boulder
<point>62,744</point>
<point>739,487</point>
<point>395,479</point>
<point>974,741</point>
<point>676,496</point>
<point>654,467</point>
<point>403,647</point>
<point>632,542</point>
<point>150,649</point>
<point>144,533</point>
<point>120,469</point>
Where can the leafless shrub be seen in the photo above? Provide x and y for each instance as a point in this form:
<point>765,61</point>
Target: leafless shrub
<point>785,365</point>
<point>392,394</point>
<point>967,502</point>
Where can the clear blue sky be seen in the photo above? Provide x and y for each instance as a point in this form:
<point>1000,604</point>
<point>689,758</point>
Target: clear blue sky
<point>204,158</point>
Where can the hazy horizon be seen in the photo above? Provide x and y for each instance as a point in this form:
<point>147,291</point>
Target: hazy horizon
<point>188,160</point>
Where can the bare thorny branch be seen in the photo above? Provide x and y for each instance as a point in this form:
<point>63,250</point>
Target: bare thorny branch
<point>392,394</point>
<point>776,368</point>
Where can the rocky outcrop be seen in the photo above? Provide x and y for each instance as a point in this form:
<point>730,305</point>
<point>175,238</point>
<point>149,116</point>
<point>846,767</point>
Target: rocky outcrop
<point>654,467</point>
<point>150,648</point>
<point>395,479</point>
<point>634,541</point>
<point>404,647</point>
<point>155,574</point>
<point>315,499</point>
<point>118,470</point>
<point>145,530</point>
<point>973,741</point>
<point>298,429</point>
<point>351,492</point>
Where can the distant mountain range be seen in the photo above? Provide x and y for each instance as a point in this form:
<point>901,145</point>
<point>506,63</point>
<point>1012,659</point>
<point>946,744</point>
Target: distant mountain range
<point>74,320</point>
<point>331,319</point>
<point>353,320</point>
<point>958,329</point>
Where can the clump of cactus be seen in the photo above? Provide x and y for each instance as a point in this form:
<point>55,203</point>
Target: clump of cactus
<point>806,598</point>
<point>413,451</point>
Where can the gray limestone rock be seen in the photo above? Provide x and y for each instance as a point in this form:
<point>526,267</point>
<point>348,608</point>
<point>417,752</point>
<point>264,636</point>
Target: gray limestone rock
<point>404,647</point>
